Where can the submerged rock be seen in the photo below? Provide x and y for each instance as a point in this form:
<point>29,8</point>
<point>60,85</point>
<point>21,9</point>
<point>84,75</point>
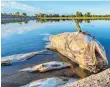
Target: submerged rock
<point>53,65</point>
<point>49,82</point>
<point>8,60</point>
<point>81,48</point>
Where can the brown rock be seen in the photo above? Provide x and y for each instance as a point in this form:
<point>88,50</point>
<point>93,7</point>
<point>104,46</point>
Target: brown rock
<point>97,80</point>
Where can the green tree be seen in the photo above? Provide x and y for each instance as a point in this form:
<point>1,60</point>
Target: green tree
<point>79,14</point>
<point>88,14</point>
<point>37,15</point>
<point>24,14</point>
<point>17,14</point>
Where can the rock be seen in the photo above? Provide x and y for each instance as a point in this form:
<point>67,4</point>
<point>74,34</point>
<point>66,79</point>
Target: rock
<point>97,80</point>
<point>53,65</point>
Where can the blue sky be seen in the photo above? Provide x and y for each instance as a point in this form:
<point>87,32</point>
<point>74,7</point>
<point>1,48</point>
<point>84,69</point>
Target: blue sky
<point>62,7</point>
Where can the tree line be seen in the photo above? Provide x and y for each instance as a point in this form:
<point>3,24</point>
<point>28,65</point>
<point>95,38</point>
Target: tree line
<point>17,14</point>
<point>77,14</point>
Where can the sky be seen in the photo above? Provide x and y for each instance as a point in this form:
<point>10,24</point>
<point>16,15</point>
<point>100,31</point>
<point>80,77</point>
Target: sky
<point>60,7</point>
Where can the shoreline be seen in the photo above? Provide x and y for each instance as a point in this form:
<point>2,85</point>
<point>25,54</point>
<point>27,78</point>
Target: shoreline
<point>46,19</point>
<point>101,79</point>
<point>54,18</point>
<point>88,18</point>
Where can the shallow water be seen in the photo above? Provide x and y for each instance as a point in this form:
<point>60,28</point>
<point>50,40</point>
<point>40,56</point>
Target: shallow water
<point>23,37</point>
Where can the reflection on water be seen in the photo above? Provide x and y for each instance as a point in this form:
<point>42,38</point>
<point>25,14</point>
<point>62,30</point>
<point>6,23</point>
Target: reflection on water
<point>14,21</point>
<point>75,68</point>
<point>48,20</point>
<point>34,35</point>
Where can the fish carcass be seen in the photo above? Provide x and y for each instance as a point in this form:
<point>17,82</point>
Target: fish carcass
<point>53,65</point>
<point>81,48</point>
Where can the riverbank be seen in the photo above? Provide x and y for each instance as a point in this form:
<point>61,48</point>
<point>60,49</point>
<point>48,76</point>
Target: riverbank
<point>19,19</point>
<point>12,19</point>
<point>88,18</point>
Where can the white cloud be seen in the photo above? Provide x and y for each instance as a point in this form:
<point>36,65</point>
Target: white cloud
<point>15,5</point>
<point>19,6</point>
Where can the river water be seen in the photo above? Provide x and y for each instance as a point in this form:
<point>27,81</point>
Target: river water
<point>25,37</point>
<point>33,36</point>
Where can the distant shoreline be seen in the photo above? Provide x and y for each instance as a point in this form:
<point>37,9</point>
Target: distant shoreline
<point>75,18</point>
<point>17,18</point>
<point>8,19</point>
<point>12,19</point>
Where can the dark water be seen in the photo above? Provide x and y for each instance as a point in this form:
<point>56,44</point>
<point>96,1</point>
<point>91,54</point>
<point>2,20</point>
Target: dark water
<point>33,36</point>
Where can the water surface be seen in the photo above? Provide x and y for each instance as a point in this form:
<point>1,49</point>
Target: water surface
<point>33,36</point>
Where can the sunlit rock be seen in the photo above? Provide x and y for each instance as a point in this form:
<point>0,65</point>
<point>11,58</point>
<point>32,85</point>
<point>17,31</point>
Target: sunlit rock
<point>53,65</point>
<point>81,48</point>
<point>101,79</point>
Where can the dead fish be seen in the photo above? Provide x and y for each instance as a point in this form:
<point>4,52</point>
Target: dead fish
<point>81,48</point>
<point>8,60</point>
<point>49,82</point>
<point>53,65</point>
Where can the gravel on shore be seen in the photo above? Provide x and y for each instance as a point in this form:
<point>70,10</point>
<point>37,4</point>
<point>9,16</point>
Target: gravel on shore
<point>97,80</point>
